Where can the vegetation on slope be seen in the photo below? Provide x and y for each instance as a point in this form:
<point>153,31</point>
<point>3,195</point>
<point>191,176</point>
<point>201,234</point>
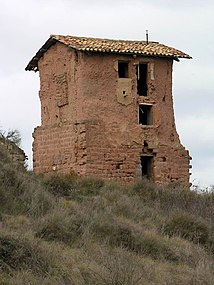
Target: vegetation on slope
<point>67,230</point>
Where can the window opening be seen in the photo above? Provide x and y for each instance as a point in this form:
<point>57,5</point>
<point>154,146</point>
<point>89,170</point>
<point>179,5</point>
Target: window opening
<point>142,79</point>
<point>119,165</point>
<point>146,166</point>
<point>123,69</point>
<point>145,115</point>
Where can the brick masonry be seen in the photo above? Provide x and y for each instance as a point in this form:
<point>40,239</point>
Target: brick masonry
<point>90,118</point>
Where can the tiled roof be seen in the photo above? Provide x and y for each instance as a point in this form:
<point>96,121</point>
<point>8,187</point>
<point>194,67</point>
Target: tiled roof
<point>142,48</point>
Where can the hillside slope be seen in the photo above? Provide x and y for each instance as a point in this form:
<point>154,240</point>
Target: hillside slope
<point>67,230</point>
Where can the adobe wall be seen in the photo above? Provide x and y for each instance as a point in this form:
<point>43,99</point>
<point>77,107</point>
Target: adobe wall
<point>100,93</point>
<point>59,142</point>
<point>90,127</point>
<point>60,148</point>
<point>58,71</point>
<point>121,161</point>
<point>115,140</point>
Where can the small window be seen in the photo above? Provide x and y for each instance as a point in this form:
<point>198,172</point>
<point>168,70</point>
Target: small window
<point>145,114</point>
<point>123,70</point>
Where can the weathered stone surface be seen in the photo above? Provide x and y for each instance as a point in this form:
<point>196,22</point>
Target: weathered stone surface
<point>16,153</point>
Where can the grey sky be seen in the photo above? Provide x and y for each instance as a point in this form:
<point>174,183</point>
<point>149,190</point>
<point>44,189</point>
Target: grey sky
<point>187,25</point>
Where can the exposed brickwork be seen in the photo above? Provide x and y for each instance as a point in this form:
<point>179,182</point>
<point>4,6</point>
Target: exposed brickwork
<point>90,117</point>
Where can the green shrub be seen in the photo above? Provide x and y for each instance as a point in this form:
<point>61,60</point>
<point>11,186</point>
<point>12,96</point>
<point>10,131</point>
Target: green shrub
<point>147,191</point>
<point>122,233</point>
<point>87,186</point>
<point>19,253</point>
<point>61,226</point>
<point>114,231</point>
<point>152,245</point>
<point>103,226</point>
<point>187,227</point>
<point>70,186</point>
<point>60,185</point>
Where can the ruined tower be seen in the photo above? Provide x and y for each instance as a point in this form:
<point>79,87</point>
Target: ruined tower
<point>107,110</point>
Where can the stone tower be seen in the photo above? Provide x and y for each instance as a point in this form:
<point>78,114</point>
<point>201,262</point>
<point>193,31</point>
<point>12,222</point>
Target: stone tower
<point>107,110</point>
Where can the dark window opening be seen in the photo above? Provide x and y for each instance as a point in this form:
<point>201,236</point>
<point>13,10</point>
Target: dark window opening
<point>145,115</point>
<point>146,166</point>
<point>142,79</point>
<point>123,70</point>
<point>119,165</point>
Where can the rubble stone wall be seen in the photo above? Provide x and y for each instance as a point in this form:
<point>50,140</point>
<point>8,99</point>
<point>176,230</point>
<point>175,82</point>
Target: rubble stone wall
<point>16,153</point>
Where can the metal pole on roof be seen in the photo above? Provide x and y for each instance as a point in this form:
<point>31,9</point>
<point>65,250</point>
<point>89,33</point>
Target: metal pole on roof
<point>147,37</point>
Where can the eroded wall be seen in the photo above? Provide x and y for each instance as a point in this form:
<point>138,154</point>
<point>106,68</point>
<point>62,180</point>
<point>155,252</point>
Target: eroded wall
<point>115,139</point>
<point>60,149</point>
<point>90,118</point>
<point>59,143</point>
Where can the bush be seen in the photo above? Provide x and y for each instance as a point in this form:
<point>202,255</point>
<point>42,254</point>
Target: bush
<point>87,186</point>
<point>70,186</point>
<point>187,227</point>
<point>18,253</point>
<point>60,185</point>
<point>62,226</point>
<point>107,228</point>
<point>147,191</point>
<point>152,245</point>
<point>122,233</point>
<point>122,269</point>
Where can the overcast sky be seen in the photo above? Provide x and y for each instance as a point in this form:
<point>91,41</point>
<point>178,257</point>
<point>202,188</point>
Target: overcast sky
<point>186,25</point>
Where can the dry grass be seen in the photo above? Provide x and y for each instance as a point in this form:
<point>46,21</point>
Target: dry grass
<point>66,230</point>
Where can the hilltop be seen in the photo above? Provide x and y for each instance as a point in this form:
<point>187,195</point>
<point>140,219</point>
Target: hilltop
<point>69,230</point>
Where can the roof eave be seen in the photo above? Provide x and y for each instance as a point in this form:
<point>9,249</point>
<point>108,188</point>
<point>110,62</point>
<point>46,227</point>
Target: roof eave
<point>136,54</point>
<point>33,63</point>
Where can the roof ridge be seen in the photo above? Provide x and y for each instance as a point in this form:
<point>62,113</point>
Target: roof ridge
<point>103,39</point>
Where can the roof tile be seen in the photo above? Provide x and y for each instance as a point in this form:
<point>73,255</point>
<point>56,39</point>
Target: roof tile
<point>108,45</point>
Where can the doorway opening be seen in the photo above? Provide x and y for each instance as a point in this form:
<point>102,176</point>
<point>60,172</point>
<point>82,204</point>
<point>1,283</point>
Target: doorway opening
<point>146,166</point>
